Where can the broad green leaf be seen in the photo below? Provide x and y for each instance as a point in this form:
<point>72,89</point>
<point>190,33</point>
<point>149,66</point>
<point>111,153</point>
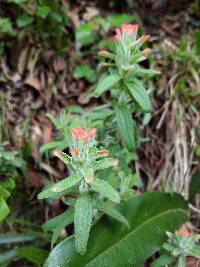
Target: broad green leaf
<point>140,95</point>
<point>4,209</point>
<point>163,260</point>
<point>6,27</point>
<point>105,84</point>
<point>86,33</point>
<point>195,251</point>
<point>126,126</point>
<point>82,222</point>
<point>84,71</point>
<point>111,243</point>
<point>105,189</point>
<point>108,209</point>
<point>43,11</point>
<point>59,187</point>
<point>35,255</point>
<point>57,224</point>
<point>24,20</point>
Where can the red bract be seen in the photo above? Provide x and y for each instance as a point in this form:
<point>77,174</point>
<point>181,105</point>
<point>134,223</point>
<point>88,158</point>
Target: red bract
<point>129,29</point>
<point>80,134</point>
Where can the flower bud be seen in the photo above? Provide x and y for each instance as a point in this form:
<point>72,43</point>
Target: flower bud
<point>103,153</point>
<point>57,153</point>
<point>74,152</point>
<point>103,53</point>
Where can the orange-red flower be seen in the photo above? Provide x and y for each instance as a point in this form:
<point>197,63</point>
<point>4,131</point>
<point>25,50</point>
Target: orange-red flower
<point>80,134</point>
<point>129,29</point>
<point>184,231</point>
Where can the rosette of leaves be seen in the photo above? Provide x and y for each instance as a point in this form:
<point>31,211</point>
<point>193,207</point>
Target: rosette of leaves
<point>125,80</point>
<point>91,196</point>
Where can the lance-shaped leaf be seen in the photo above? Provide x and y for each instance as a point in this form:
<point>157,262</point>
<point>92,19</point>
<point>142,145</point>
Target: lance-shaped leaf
<point>195,251</point>
<point>57,224</point>
<point>82,222</point>
<point>111,243</point>
<point>106,163</point>
<point>108,209</point>
<point>55,190</point>
<point>4,209</point>
<point>140,95</point>
<point>147,72</point>
<point>163,260</point>
<point>105,84</point>
<point>105,189</point>
<point>63,156</point>
<point>126,126</point>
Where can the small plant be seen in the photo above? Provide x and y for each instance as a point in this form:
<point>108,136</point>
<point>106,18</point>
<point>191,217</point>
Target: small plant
<point>92,194</point>
<point>179,246</point>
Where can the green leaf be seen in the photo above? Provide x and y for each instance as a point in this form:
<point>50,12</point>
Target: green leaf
<point>7,257</point>
<point>6,27</point>
<point>15,238</point>
<point>17,2</point>
<point>84,71</point>
<point>82,222</point>
<point>105,189</point>
<point>194,186</point>
<point>126,126</point>
<point>24,20</point>
<point>57,224</point>
<point>43,11</point>
<point>117,20</point>
<point>35,255</point>
<point>147,72</point>
<point>197,42</point>
<point>59,187</point>
<point>140,95</point>
<point>108,209</point>
<point>163,260</point>
<point>86,33</point>
<point>51,224</point>
<point>111,243</point>
<point>195,251</point>
<point>106,163</point>
<point>4,209</point>
<point>105,84</point>
<point>52,145</point>
<point>64,157</point>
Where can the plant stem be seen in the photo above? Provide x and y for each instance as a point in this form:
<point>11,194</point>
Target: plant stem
<point>181,261</point>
